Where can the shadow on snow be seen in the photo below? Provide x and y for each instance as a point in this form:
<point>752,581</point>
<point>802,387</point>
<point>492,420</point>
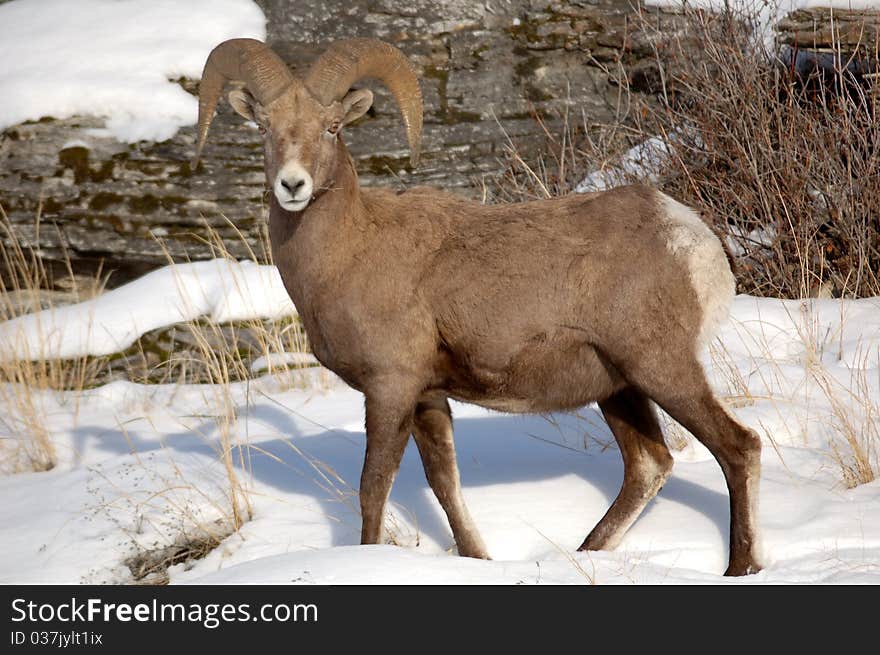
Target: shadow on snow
<point>495,449</point>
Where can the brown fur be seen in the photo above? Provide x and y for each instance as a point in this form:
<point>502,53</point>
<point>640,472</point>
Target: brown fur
<point>416,297</point>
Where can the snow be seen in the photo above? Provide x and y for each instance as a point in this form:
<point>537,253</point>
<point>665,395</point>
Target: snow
<point>138,467</point>
<point>642,161</point>
<point>221,289</point>
<point>113,59</point>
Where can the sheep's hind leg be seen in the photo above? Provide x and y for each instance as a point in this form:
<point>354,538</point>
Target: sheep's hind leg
<point>737,449</point>
<point>646,461</point>
<point>433,435</point>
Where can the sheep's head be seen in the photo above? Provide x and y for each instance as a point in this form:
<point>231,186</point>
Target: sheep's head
<point>300,120</point>
<point>300,138</point>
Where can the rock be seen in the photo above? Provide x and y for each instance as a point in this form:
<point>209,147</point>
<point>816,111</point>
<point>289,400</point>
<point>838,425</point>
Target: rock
<point>822,27</point>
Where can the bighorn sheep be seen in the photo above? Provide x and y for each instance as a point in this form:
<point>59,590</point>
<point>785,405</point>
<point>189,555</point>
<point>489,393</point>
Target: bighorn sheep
<point>416,297</point>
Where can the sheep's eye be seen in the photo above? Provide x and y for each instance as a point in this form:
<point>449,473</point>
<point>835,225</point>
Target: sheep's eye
<point>333,129</point>
<point>261,129</point>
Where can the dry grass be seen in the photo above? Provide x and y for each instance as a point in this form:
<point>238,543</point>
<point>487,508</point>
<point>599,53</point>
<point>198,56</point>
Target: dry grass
<point>150,567</point>
<point>570,151</point>
<point>853,422</point>
<point>26,288</point>
<point>166,514</point>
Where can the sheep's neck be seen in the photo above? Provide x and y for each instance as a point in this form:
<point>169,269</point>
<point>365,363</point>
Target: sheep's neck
<point>312,247</point>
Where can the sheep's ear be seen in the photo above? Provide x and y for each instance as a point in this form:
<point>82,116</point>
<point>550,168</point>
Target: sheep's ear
<point>243,103</point>
<point>356,104</point>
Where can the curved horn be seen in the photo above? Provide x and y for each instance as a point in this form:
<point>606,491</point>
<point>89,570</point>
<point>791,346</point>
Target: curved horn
<point>252,62</point>
<point>347,61</point>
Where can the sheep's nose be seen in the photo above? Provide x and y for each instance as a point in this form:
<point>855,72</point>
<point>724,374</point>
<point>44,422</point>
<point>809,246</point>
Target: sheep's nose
<point>294,187</point>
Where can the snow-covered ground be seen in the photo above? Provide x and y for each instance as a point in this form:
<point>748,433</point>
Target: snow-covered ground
<point>114,59</point>
<point>138,469</point>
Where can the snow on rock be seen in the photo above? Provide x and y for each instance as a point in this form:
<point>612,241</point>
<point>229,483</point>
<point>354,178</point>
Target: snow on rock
<point>643,162</point>
<point>113,58</point>
<point>221,289</point>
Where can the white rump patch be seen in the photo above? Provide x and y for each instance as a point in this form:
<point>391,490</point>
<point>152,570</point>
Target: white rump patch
<point>691,240</point>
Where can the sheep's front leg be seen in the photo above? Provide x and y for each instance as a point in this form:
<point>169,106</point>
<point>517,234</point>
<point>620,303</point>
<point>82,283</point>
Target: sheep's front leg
<point>389,424</point>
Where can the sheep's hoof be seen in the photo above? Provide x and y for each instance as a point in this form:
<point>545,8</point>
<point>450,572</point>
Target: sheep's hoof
<point>474,553</point>
<point>745,567</point>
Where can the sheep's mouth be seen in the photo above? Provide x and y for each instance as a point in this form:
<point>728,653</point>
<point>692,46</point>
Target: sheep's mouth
<point>294,205</point>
